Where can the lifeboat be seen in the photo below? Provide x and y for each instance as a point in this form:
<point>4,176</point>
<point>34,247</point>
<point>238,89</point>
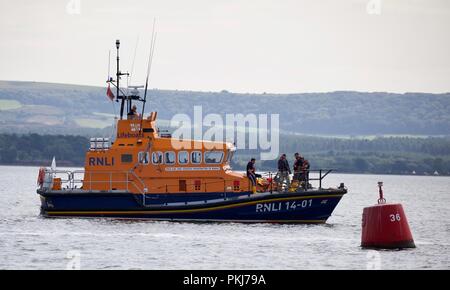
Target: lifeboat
<point>142,175</point>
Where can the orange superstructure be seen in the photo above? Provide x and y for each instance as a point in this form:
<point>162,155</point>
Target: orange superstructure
<point>160,164</point>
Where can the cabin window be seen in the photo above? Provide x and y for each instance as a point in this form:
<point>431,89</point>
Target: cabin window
<point>213,157</point>
<point>157,157</point>
<point>169,157</point>
<point>196,157</point>
<point>183,157</point>
<point>144,157</point>
<point>127,158</point>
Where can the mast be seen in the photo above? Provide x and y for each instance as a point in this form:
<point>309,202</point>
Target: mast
<point>118,74</point>
<point>120,94</point>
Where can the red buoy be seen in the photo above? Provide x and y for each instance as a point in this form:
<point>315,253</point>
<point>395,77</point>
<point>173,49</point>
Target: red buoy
<point>385,226</point>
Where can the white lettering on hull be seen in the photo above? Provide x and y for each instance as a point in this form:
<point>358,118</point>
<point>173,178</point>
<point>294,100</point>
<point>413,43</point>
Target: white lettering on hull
<point>283,206</point>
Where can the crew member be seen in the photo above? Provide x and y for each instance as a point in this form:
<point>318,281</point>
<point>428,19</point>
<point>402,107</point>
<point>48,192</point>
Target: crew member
<point>305,173</point>
<point>134,115</point>
<point>298,164</point>
<point>284,171</point>
<point>251,173</point>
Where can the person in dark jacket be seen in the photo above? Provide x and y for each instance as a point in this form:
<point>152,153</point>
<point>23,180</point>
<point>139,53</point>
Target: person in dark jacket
<point>305,173</point>
<point>284,171</point>
<point>251,173</point>
<point>298,164</point>
<point>134,115</point>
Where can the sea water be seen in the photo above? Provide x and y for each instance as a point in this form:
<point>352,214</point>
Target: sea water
<point>29,241</point>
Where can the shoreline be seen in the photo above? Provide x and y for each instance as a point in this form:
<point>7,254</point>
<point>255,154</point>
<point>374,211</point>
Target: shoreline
<point>66,165</point>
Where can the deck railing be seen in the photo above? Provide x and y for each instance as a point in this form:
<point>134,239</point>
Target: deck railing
<point>129,181</point>
<point>81,179</point>
<point>303,176</point>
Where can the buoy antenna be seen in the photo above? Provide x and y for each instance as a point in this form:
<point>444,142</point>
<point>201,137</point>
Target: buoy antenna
<point>380,191</point>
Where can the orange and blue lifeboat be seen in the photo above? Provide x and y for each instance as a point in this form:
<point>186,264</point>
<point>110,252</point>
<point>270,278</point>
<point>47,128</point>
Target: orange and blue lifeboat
<point>141,175</point>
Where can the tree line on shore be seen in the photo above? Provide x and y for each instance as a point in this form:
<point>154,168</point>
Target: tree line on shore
<point>381,155</point>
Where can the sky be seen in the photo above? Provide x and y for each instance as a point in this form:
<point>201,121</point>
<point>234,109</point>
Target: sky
<point>254,46</point>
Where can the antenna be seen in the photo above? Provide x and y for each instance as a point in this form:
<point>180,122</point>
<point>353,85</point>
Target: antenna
<point>134,59</point>
<point>109,66</point>
<point>149,66</point>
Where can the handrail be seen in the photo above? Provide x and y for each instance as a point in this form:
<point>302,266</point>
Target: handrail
<point>87,181</point>
<point>322,174</point>
<point>320,178</point>
<point>71,182</point>
<point>144,187</point>
<point>137,183</point>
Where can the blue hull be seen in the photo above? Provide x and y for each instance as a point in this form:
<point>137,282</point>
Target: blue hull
<point>313,206</point>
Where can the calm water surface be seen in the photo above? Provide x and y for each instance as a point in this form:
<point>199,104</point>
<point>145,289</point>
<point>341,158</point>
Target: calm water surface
<point>28,241</point>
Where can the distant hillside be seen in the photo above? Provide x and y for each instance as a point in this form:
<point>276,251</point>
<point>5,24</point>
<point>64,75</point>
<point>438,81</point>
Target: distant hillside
<point>70,109</point>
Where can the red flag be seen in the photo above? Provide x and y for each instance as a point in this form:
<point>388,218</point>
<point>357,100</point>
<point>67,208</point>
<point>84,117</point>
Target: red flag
<point>109,93</point>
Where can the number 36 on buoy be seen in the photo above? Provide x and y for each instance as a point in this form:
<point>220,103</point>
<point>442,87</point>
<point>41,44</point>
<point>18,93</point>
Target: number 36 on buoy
<point>385,226</point>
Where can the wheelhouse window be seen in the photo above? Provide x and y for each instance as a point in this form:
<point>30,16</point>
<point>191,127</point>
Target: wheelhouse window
<point>196,157</point>
<point>126,158</point>
<point>157,157</point>
<point>144,157</point>
<point>183,157</point>
<point>169,157</point>
<point>213,157</point>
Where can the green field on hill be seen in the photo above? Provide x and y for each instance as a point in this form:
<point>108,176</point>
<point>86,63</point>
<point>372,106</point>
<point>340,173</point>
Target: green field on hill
<point>9,105</point>
<point>72,109</point>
